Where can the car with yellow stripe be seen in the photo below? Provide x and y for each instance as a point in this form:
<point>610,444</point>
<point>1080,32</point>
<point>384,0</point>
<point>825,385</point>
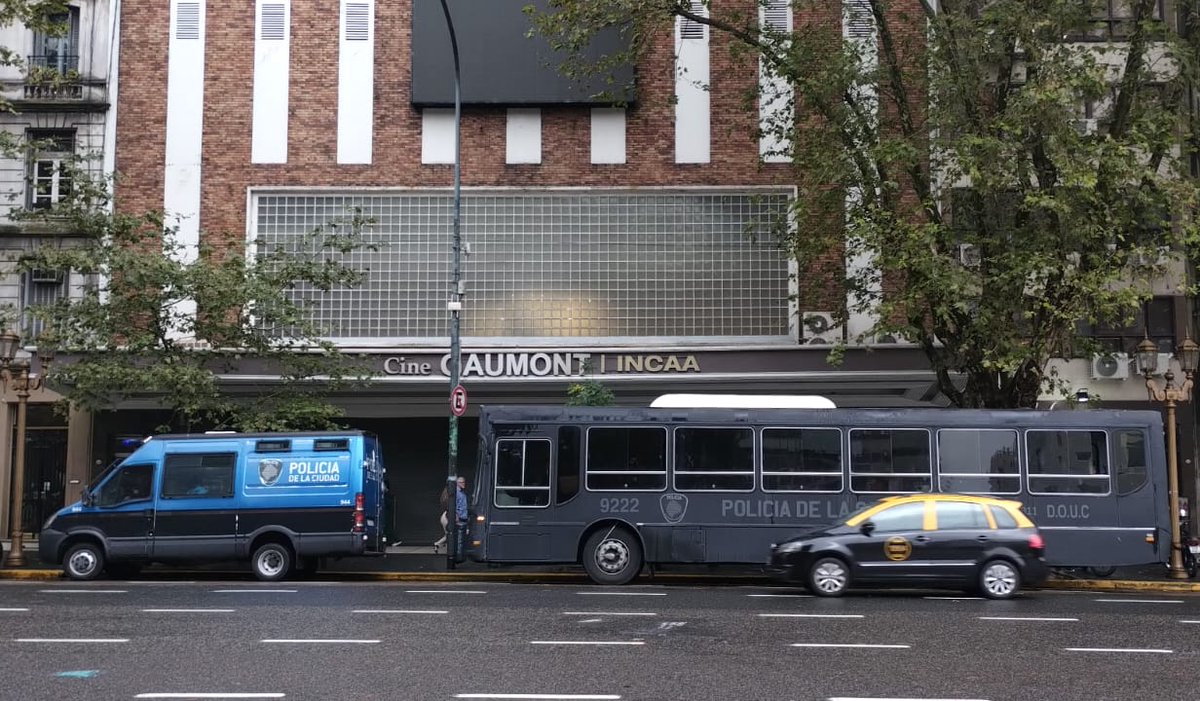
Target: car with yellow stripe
<point>981,544</point>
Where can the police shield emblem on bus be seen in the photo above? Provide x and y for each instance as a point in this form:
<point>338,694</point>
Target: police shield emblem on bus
<point>673,506</point>
<point>269,471</point>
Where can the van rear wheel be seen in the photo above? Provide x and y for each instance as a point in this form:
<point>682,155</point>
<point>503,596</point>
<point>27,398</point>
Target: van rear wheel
<point>271,562</point>
<point>83,561</point>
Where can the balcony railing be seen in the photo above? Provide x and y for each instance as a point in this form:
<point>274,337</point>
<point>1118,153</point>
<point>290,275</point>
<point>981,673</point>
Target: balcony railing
<point>56,78</point>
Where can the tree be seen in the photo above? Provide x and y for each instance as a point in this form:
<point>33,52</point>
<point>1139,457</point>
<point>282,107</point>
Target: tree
<point>42,16</point>
<point>154,322</point>
<point>1005,179</point>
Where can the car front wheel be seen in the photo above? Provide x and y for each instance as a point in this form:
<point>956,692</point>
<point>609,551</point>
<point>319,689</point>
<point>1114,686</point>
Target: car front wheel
<point>829,576</point>
<point>83,561</point>
<point>999,579</point>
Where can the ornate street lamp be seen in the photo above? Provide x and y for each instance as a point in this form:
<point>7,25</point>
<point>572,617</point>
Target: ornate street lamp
<point>18,378</point>
<point>1188,354</point>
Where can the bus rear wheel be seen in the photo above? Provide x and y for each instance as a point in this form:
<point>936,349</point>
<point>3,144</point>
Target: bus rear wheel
<point>612,556</point>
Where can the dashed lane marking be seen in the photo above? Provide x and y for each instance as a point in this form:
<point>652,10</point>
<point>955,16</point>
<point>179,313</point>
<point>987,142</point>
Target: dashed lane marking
<point>587,642</point>
<point>210,695</point>
<point>854,645</point>
<point>548,697</point>
<point>319,641</point>
<point>13,610</point>
<point>72,640</point>
<point>444,591</point>
<point>608,613</point>
<point>621,593</point>
<point>1119,649</point>
<point>1139,601</point>
<point>1026,618</point>
<point>413,611</point>
<point>254,591</point>
<point>810,615</point>
<point>204,610</point>
<point>83,591</point>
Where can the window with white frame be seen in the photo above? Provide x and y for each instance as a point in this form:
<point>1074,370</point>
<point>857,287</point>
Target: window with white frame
<point>49,173</point>
<point>40,288</point>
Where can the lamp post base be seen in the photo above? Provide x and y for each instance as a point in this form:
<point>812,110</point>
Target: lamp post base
<point>1174,572</point>
<point>16,553</point>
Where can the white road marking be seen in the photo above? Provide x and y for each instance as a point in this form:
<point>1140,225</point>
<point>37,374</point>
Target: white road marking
<point>1140,601</point>
<point>592,620</point>
<point>253,591</point>
<point>621,593</point>
<point>398,611</point>
<point>1024,618</point>
<point>889,698</point>
<point>586,642</point>
<point>319,641</point>
<point>565,697</point>
<point>608,613</point>
<point>13,610</point>
<point>1117,649</point>
<point>953,598</point>
<point>859,645</point>
<point>810,615</point>
<point>72,640</point>
<point>83,591</point>
<point>780,596</point>
<point>187,610</point>
<point>1186,621</point>
<point>211,695</point>
<point>444,591</point>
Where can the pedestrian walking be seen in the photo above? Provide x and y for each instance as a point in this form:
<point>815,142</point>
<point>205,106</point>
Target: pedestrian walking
<point>441,542</point>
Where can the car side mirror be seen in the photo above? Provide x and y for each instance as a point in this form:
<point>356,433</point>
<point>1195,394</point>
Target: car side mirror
<point>867,528</point>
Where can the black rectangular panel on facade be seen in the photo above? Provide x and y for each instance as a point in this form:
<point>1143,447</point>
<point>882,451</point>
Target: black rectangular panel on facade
<point>501,62</point>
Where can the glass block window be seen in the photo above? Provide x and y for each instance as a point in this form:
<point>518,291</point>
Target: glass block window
<point>567,264</point>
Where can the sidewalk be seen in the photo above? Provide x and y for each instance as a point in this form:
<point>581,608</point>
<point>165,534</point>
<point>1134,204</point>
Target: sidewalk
<point>419,563</point>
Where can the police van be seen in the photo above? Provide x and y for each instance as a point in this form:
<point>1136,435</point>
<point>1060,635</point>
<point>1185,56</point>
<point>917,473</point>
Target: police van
<point>281,500</point>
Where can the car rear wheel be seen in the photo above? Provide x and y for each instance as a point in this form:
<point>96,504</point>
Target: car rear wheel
<point>999,579</point>
<point>829,576</point>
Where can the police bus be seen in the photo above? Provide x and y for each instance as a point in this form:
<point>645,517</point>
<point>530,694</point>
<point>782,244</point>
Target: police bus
<point>614,489</point>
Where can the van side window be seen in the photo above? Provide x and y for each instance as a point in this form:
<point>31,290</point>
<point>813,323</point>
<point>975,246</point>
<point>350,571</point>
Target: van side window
<point>198,475</point>
<point>131,484</point>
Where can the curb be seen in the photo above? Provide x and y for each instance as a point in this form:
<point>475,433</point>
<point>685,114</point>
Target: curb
<point>580,578</point>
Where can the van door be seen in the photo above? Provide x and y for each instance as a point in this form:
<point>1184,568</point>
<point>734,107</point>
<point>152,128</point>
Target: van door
<point>125,511</point>
<point>196,517</point>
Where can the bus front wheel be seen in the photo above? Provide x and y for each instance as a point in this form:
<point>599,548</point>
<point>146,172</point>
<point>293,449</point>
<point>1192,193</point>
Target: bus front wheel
<point>612,556</point>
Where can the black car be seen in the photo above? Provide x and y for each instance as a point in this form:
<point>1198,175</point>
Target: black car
<point>980,544</point>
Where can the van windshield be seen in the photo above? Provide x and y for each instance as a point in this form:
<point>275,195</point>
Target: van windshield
<point>103,474</point>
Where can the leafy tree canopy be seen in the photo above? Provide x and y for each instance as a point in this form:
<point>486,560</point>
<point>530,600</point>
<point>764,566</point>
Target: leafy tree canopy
<point>1010,169</point>
<point>157,322</point>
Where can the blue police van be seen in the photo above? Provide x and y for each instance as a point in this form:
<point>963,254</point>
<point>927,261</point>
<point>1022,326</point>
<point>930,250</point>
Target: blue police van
<point>283,501</point>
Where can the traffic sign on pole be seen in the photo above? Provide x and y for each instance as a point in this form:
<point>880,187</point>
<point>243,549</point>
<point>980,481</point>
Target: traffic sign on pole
<point>458,401</point>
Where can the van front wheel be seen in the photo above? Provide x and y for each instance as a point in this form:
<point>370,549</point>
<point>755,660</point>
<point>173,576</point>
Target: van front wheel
<point>271,562</point>
<point>83,561</point>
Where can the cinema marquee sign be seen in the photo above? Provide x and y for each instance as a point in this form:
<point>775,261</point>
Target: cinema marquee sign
<point>526,364</point>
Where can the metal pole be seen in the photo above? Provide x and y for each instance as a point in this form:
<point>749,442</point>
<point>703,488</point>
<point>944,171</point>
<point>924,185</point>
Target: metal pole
<point>1175,570</point>
<point>16,555</point>
<point>455,306</point>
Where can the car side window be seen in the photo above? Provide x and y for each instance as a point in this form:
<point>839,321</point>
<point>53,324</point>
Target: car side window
<point>1003,518</point>
<point>957,514</point>
<point>902,517</point>
<point>132,483</point>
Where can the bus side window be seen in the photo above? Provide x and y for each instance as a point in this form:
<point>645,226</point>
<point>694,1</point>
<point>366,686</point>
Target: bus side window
<point>1131,461</point>
<point>569,464</point>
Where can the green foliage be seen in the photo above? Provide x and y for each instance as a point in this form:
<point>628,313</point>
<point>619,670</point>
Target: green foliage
<point>158,323</point>
<point>589,393</point>
<point>1064,166</point>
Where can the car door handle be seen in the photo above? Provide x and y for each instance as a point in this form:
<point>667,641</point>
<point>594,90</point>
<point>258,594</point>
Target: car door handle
<point>922,539</point>
<point>982,538</point>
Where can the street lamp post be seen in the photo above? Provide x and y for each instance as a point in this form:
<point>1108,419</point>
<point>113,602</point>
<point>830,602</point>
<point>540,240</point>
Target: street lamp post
<point>1189,357</point>
<point>455,306</point>
<point>17,377</point>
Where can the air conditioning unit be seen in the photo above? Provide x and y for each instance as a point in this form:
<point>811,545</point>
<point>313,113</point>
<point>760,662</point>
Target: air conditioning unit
<point>46,277</point>
<point>1112,366</point>
<point>968,255</point>
<point>1086,126</point>
<point>817,328</point>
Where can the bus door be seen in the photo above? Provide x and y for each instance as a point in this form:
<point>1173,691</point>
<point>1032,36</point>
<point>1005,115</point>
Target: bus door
<point>1140,486</point>
<point>517,529</point>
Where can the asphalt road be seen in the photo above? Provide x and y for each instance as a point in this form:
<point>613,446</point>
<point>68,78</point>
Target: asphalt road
<point>327,640</point>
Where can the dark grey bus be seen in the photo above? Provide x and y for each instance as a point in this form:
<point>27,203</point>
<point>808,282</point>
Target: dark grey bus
<point>616,488</point>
